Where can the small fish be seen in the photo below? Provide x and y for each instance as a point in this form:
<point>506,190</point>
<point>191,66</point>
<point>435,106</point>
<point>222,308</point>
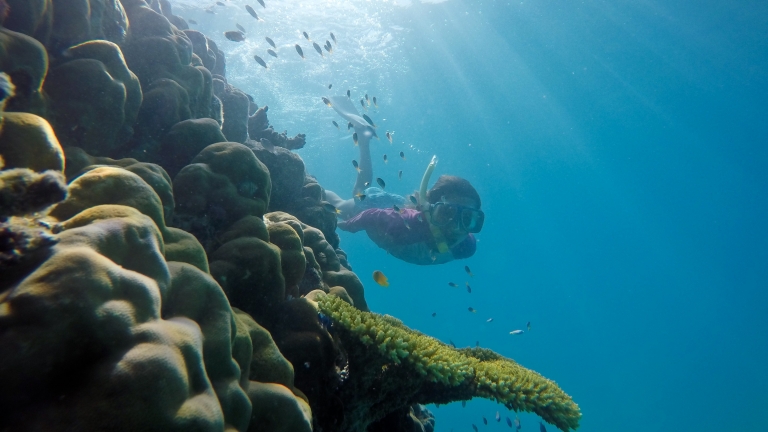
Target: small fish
<point>375,103</point>
<point>267,144</point>
<point>451,343</point>
<point>385,158</point>
<point>400,175</point>
<point>389,136</point>
<point>402,155</point>
<point>354,164</point>
<point>485,421</point>
<point>381,182</point>
<point>368,119</point>
<point>210,11</point>
<point>350,125</point>
<point>328,48</point>
<point>330,208</point>
<point>477,344</point>
<point>192,21</point>
<point>348,94</point>
<point>261,2</point>
<point>220,3</point>
<point>498,417</point>
<point>452,285</point>
<point>328,44</point>
<point>251,11</point>
<point>354,137</point>
<point>333,37</point>
<point>327,101</point>
<point>366,184</point>
<point>413,199</point>
<point>397,209</point>
<point>474,427</point>
<point>469,288</point>
<point>380,278</point>
<point>241,28</point>
<point>318,49</point>
<point>509,422</point>
<point>542,428</point>
<point>419,217</point>
<point>469,272</point>
<point>330,86</point>
<point>234,36</point>
<point>362,104</point>
<point>528,326</point>
<point>272,53</point>
<point>489,320</point>
<point>360,196</point>
<point>271,42</point>
<point>299,50</point>
<point>518,425</point>
<point>463,404</point>
<point>516,332</point>
<point>366,100</point>
<point>471,309</point>
<point>335,124</point>
<point>306,365</point>
<point>260,61</point>
<point>434,314</point>
<point>306,36</point>
<point>405,222</point>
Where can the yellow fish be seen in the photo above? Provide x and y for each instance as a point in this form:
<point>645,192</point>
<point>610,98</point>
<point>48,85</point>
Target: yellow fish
<point>380,279</point>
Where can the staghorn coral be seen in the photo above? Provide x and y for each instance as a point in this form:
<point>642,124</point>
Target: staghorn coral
<point>402,355</point>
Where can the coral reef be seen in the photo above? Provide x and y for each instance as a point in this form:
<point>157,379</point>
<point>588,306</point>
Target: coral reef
<point>408,367</point>
<point>189,275</point>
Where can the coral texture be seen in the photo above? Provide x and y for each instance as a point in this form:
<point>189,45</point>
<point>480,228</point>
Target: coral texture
<point>409,367</point>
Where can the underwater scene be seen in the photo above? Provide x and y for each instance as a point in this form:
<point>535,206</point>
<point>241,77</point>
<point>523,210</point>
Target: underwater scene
<point>383,215</point>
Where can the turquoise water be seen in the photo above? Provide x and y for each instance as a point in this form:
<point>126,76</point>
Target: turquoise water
<point>620,152</point>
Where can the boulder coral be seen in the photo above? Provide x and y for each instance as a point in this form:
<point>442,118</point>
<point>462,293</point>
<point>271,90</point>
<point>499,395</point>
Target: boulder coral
<point>88,321</point>
<point>408,367</point>
<point>25,60</point>
<point>223,184</point>
<point>113,185</point>
<point>94,98</point>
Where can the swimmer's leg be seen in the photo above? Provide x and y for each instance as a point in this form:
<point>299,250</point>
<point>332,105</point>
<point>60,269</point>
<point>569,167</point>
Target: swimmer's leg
<point>366,167</point>
<point>347,207</point>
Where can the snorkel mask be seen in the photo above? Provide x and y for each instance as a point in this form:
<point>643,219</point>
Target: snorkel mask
<point>446,215</point>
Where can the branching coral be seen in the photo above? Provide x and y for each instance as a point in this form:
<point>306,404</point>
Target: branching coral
<point>447,374</point>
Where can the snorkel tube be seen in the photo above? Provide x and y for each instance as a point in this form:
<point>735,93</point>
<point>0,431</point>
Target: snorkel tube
<point>423,203</point>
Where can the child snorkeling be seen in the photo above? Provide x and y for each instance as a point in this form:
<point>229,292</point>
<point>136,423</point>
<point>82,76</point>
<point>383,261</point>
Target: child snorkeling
<point>439,226</point>
<point>437,230</point>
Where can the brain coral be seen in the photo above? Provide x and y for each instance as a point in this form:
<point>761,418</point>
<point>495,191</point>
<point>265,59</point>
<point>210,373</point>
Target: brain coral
<point>408,367</point>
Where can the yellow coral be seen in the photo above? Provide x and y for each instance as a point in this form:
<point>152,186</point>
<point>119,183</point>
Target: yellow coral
<point>483,372</point>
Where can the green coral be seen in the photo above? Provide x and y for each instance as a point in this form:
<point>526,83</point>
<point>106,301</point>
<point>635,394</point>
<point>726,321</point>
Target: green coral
<point>460,374</point>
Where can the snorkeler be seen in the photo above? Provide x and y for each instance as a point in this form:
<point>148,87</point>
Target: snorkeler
<point>438,230</point>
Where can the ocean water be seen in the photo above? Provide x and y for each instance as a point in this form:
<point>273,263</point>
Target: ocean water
<point>620,150</point>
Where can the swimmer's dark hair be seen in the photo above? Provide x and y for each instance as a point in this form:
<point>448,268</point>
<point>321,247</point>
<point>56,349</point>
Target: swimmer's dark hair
<point>447,185</point>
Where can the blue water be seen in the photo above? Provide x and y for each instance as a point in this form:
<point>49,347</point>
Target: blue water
<point>620,149</point>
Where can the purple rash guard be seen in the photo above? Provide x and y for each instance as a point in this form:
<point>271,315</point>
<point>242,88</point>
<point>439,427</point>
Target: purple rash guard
<point>406,237</point>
